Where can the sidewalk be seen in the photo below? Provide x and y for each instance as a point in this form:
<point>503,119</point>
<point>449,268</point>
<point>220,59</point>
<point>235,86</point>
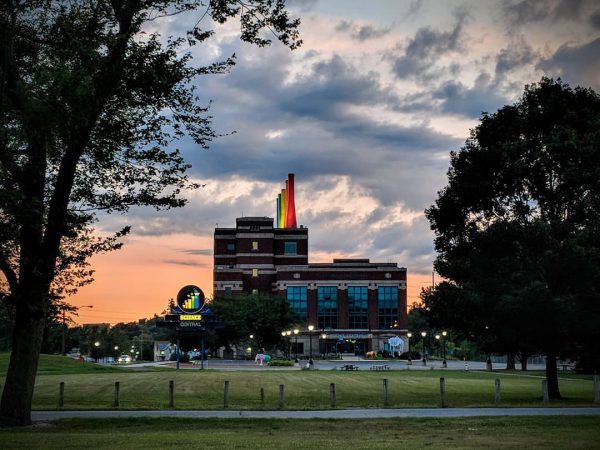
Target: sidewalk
<point>320,414</point>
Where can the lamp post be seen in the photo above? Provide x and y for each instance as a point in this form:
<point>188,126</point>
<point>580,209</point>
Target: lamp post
<point>310,356</point>
<point>64,328</point>
<point>296,331</point>
<point>323,337</point>
<point>444,362</point>
<point>289,333</point>
<point>97,345</point>
<point>424,358</point>
<point>409,335</point>
<point>283,334</point>
<point>251,344</point>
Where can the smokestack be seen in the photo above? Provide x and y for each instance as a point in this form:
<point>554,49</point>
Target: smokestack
<point>290,221</point>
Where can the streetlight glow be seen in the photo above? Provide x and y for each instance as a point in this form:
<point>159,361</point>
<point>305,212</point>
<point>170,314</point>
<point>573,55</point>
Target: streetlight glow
<point>311,327</point>
<point>423,333</point>
<point>97,344</point>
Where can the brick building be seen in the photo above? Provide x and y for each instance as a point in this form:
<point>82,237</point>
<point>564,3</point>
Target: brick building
<point>354,305</point>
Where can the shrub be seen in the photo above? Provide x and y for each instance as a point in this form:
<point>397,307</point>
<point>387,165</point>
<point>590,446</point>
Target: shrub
<point>281,362</point>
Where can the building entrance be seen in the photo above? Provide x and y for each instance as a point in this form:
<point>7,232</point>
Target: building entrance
<point>356,347</point>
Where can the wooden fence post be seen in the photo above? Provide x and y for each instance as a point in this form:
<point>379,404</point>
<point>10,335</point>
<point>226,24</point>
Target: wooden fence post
<point>497,392</point>
<point>281,395</point>
<point>596,389</point>
<point>443,392</point>
<point>61,394</point>
<point>385,392</point>
<point>226,394</point>
<point>171,394</point>
<point>262,397</point>
<point>545,397</point>
<point>117,386</point>
<point>332,394</point>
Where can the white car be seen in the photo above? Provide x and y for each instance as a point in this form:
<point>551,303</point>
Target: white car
<point>124,359</point>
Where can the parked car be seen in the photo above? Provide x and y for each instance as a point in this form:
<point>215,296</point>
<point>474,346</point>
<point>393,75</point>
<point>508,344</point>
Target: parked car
<point>124,359</point>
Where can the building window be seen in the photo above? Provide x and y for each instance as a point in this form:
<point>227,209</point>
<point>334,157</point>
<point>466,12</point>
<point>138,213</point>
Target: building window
<point>231,246</point>
<point>387,305</point>
<point>255,245</point>
<point>227,291</point>
<point>290,248</point>
<point>296,296</point>
<point>254,272</point>
<point>327,307</point>
<point>358,307</point>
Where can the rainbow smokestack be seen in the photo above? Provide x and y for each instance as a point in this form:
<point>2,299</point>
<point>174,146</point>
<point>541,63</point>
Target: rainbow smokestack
<point>286,207</point>
<point>290,220</point>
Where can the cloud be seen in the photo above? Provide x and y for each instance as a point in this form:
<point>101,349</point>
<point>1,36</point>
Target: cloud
<point>362,32</point>
<point>422,51</point>
<point>517,54</point>
<point>521,13</point>
<point>575,64</point>
<point>203,251</point>
<point>184,263</point>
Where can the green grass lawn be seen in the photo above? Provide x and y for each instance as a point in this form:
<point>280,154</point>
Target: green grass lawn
<point>550,432</point>
<point>88,386</point>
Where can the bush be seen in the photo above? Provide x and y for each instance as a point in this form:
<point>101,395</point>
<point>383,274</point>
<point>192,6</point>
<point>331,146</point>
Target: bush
<point>281,363</point>
<point>411,354</point>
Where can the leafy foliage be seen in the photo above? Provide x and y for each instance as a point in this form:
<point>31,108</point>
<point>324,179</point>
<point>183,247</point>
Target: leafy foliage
<point>263,316</point>
<point>517,227</point>
<point>92,105</point>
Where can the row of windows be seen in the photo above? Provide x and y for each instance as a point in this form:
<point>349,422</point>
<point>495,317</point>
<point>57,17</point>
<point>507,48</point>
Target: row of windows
<point>358,305</point>
<point>289,247</point>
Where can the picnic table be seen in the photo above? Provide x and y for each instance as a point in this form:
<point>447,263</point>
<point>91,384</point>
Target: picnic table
<point>349,367</point>
<point>380,367</point>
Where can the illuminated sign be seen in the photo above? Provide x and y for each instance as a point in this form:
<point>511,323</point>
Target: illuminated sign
<point>190,317</point>
<point>190,300</point>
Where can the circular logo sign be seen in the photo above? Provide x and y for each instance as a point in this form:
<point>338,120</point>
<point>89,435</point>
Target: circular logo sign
<point>190,299</point>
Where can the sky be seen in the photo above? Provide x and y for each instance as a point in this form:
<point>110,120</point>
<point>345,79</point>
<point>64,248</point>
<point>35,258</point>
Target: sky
<point>365,114</point>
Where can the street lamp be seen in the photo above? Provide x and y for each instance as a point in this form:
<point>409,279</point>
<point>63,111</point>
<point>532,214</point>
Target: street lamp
<point>64,327</point>
<point>424,359</point>
<point>323,337</point>
<point>310,330</point>
<point>289,333</point>
<point>251,344</point>
<point>296,331</point>
<point>283,333</point>
<point>444,362</point>
<point>409,335</point>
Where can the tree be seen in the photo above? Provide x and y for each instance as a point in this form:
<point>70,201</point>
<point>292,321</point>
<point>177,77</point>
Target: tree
<point>263,316</point>
<point>517,228</point>
<point>91,106</point>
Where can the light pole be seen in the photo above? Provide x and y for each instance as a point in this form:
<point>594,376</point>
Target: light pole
<point>289,333</point>
<point>97,345</point>
<point>323,337</point>
<point>424,358</point>
<point>296,331</point>
<point>310,330</point>
<point>251,344</point>
<point>444,362</point>
<point>64,327</point>
<point>283,334</point>
<point>409,335</point>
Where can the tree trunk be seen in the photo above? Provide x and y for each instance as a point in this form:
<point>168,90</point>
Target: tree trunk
<point>523,358</point>
<point>510,361</point>
<point>552,377</point>
<point>15,409</point>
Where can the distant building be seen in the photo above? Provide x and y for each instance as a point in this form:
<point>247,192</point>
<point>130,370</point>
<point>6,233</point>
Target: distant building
<point>357,304</point>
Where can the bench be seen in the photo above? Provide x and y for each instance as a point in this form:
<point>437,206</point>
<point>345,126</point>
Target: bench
<point>349,367</point>
<point>380,367</point>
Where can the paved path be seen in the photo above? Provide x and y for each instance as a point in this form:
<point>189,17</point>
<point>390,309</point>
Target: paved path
<point>322,414</point>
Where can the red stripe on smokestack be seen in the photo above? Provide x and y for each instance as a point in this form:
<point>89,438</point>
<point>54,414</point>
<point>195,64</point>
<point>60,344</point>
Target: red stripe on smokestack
<point>291,207</point>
